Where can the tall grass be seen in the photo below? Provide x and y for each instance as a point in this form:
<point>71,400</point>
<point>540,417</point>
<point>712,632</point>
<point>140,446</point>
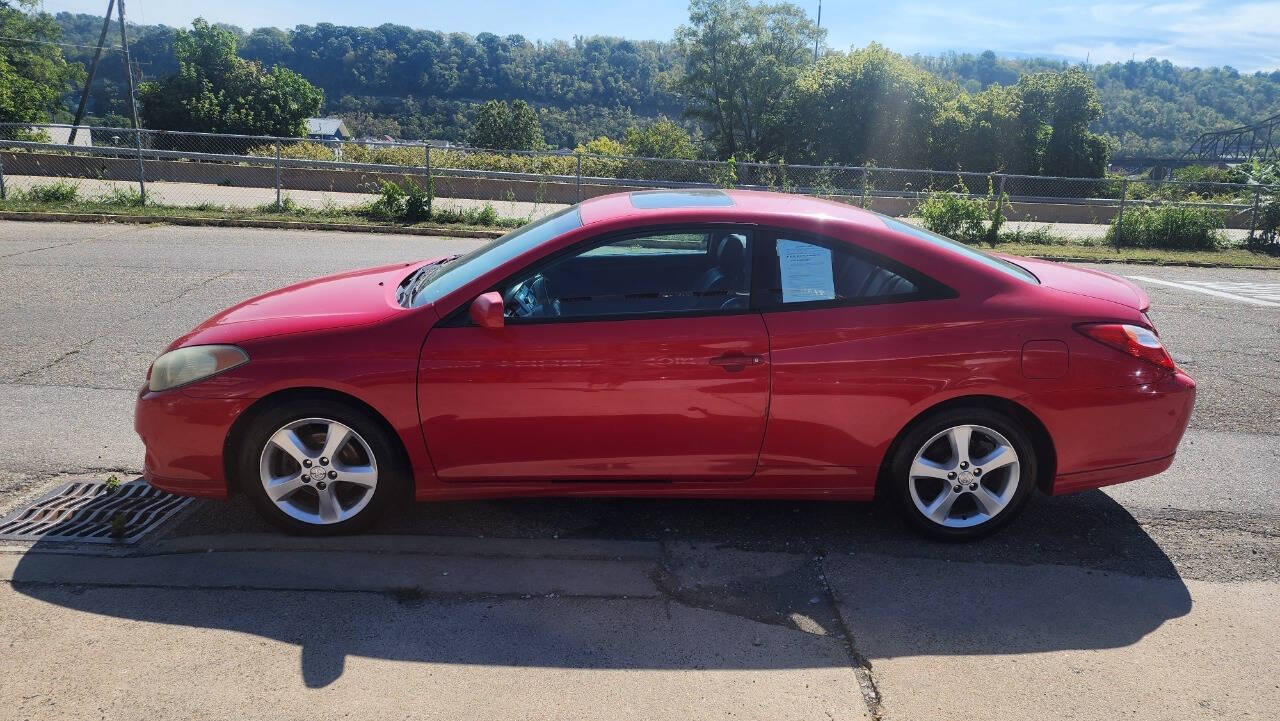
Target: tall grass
<point>1167,226</point>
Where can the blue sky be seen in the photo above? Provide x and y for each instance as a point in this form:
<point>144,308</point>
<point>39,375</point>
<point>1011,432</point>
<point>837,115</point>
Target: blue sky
<point>1245,35</point>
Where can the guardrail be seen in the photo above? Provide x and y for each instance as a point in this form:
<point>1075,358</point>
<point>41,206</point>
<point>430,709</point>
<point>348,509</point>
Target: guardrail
<point>232,170</point>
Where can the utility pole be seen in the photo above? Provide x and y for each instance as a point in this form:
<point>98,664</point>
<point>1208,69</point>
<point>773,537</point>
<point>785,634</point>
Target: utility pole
<point>93,68</point>
<point>817,39</point>
<point>133,101</point>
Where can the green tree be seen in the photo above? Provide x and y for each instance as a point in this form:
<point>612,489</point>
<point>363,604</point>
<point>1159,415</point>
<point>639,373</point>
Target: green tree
<point>1055,112</point>
<point>741,63</point>
<point>662,138</point>
<point>500,126</point>
<point>216,91</point>
<point>867,105</point>
<point>603,145</point>
<point>33,75</point>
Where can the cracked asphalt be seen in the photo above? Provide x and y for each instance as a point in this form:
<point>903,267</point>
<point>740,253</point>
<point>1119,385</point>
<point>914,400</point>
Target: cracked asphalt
<point>1150,599</point>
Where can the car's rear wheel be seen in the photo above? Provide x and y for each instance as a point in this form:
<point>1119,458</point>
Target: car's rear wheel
<point>963,473</point>
<point>320,468</point>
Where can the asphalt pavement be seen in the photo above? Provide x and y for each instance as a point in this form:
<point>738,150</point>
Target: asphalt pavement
<point>1150,599</point>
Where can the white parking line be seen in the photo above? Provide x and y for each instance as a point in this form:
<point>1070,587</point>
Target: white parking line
<point>1207,291</point>
<point>1260,291</point>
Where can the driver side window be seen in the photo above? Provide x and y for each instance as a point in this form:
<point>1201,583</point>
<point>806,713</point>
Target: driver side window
<point>669,271</point>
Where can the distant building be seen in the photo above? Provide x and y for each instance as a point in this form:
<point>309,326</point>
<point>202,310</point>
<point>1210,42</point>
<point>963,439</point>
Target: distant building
<point>327,129</point>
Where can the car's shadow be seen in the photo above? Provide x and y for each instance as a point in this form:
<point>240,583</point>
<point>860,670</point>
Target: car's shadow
<point>1076,572</point>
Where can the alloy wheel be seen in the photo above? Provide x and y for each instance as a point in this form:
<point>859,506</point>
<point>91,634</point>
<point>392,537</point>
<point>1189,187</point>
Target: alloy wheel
<point>318,471</point>
<point>964,476</point>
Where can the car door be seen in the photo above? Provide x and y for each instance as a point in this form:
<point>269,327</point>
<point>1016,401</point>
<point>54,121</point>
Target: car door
<point>627,358</point>
<point>844,327</point>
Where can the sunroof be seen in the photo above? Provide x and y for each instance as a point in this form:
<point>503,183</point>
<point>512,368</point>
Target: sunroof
<point>650,199</point>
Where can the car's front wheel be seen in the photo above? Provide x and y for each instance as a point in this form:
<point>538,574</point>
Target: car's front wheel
<point>963,473</point>
<point>321,468</point>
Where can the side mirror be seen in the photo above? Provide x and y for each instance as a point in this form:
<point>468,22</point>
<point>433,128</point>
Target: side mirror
<point>487,310</point>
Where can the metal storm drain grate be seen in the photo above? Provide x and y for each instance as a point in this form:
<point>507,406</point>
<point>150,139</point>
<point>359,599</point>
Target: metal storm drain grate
<point>88,512</point>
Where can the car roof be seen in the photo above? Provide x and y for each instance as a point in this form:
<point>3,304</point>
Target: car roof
<point>709,204</point>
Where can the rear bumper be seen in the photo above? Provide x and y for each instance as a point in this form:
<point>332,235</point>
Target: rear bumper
<point>1113,435</point>
<point>185,438</point>
<point>1087,480</point>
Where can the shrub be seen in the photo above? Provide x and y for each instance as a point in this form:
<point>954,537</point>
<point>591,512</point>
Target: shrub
<point>485,215</point>
<point>305,150</point>
<point>1266,236</point>
<point>30,135</point>
<point>407,203</point>
<point>122,197</point>
<point>969,220</point>
<point>287,205</point>
<point>385,155</point>
<point>1034,236</point>
<point>1209,174</point>
<point>1266,173</point>
<point>726,175</point>
<point>955,216</point>
<point>57,193</point>
<point>1171,227</point>
<point>603,145</point>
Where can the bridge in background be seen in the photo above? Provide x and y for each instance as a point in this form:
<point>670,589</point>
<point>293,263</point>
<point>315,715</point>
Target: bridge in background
<point>1260,140</point>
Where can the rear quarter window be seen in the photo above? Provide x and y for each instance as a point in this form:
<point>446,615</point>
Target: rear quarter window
<point>959,248</point>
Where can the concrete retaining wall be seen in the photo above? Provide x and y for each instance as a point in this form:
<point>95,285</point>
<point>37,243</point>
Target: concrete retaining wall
<point>357,181</point>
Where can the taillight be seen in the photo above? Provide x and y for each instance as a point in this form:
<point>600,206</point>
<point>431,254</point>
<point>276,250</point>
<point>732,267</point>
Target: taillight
<point>1135,340</point>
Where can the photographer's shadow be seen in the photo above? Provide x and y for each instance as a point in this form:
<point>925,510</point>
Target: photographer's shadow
<point>732,585</point>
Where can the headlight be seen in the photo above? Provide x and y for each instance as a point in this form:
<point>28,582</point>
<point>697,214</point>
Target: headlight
<point>187,365</point>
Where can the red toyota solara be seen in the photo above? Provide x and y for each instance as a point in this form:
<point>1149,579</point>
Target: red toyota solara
<point>691,343</point>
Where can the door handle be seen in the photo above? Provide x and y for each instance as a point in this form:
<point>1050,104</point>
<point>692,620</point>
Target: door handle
<point>734,362</point>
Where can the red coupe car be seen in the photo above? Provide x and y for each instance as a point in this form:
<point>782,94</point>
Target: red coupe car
<point>694,343</point>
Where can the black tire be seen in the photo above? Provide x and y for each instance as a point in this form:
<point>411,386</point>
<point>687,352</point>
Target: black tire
<point>391,471</point>
<point>914,441</point>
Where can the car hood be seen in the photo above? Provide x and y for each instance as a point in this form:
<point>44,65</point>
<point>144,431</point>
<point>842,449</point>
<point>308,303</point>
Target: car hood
<point>1082,281</point>
<point>334,301</point>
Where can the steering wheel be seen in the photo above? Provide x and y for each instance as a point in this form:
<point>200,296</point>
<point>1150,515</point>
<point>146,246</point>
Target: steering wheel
<point>531,299</point>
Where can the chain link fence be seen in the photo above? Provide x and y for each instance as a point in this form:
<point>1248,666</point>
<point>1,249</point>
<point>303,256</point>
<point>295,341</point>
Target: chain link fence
<point>241,173</point>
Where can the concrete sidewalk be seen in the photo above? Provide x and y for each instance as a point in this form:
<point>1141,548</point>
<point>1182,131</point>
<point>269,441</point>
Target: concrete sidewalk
<point>396,629</point>
<point>986,641</point>
<point>420,627</point>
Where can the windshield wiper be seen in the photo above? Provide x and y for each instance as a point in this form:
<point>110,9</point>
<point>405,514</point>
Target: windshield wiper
<point>423,275</point>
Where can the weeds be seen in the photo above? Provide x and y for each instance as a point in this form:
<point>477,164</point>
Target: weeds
<point>118,526</point>
<point>485,215</point>
<point>123,197</point>
<point>726,176</point>
<point>1170,227</point>
<point>1266,237</point>
<point>286,206</point>
<point>57,193</point>
<point>1034,236</point>
<point>967,219</point>
<point>407,203</point>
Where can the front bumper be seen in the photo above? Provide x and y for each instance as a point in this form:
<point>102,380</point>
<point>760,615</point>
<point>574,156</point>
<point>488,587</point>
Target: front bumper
<point>185,438</point>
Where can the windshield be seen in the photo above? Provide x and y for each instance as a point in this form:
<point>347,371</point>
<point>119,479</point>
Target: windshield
<point>457,272</point>
<point>956,246</point>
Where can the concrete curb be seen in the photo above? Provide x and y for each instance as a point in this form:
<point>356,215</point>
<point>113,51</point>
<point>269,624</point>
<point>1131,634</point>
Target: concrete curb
<point>1148,261</point>
<point>374,544</point>
<point>340,571</point>
<point>457,546</point>
<point>23,215</point>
